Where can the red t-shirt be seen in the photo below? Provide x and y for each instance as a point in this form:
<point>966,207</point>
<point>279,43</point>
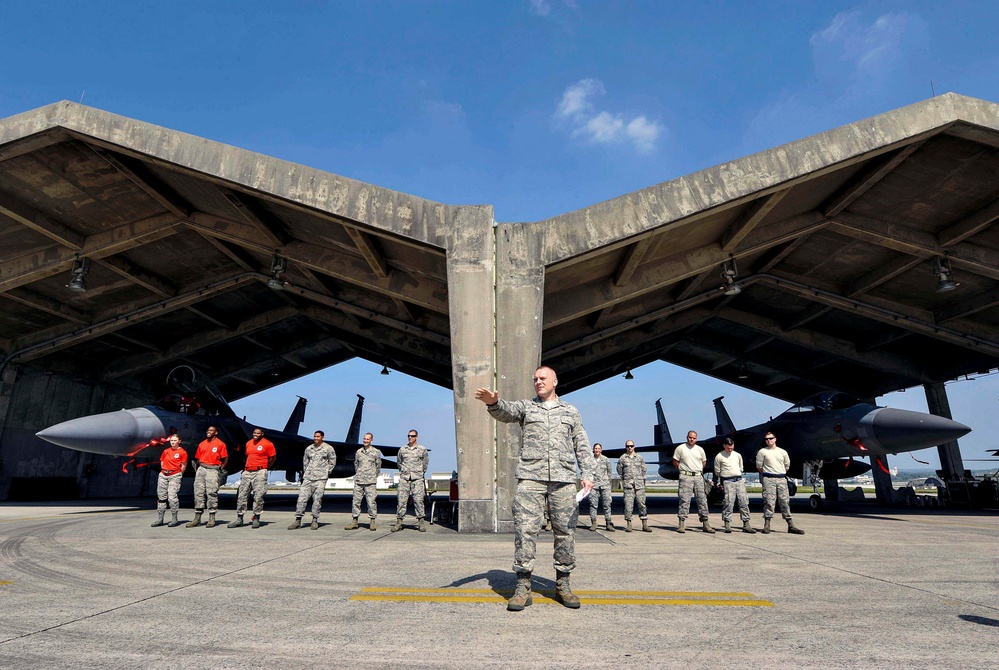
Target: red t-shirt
<point>257,453</point>
<point>211,452</point>
<point>173,460</point>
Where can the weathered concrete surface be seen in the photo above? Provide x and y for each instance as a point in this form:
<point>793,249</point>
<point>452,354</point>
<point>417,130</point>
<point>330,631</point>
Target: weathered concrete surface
<point>95,586</point>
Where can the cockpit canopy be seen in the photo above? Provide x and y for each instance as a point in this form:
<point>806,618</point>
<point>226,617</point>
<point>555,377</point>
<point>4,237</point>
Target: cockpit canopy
<point>826,401</point>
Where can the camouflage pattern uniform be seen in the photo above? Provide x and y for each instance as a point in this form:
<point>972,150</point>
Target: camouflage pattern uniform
<point>256,480</point>
<point>413,463</point>
<point>601,488</point>
<point>367,467</point>
<point>317,464</point>
<point>552,444</point>
<point>774,463</point>
<point>631,468</point>
<point>167,488</point>
<point>691,460</point>
<point>206,487</point>
<point>728,469</point>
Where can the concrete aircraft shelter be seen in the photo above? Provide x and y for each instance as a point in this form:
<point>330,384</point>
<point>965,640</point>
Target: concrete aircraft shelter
<point>834,240</point>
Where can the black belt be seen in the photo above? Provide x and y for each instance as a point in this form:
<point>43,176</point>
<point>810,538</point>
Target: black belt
<point>732,479</point>
<point>254,469</point>
<point>773,476</point>
<point>210,467</point>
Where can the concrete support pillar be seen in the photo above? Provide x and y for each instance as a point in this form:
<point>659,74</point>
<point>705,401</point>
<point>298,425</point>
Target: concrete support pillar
<point>951,462</point>
<point>883,489</point>
<point>471,281</point>
<point>520,284</point>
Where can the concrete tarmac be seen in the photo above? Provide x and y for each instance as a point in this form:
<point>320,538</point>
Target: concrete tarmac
<point>92,585</point>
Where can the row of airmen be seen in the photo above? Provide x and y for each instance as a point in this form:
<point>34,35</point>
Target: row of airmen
<point>689,458</point>
<point>318,462</point>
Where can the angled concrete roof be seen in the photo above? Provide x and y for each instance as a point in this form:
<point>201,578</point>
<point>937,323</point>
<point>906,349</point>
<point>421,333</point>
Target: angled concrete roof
<point>834,237</point>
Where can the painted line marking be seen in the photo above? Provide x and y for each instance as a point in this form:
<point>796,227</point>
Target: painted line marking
<point>5,583</point>
<point>545,597</point>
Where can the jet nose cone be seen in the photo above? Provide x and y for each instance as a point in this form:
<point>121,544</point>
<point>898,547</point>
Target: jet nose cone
<point>902,430</point>
<point>113,433</point>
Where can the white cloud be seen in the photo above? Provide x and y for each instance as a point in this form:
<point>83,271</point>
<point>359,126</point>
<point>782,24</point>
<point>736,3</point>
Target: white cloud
<point>868,49</point>
<point>603,127</point>
<point>541,7</point>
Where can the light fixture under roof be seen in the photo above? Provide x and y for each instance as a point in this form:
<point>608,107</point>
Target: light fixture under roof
<point>628,375</point>
<point>78,276</point>
<point>945,280</point>
<point>385,370</point>
<point>743,371</point>
<point>729,273</point>
<point>278,267</point>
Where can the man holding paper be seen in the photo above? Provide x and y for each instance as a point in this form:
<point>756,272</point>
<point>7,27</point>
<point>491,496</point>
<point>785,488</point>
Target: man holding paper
<point>553,443</point>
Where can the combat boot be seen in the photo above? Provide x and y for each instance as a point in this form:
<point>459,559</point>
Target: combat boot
<point>173,520</point>
<point>563,593</point>
<point>522,596</point>
<point>422,527</point>
<point>352,525</point>
<point>397,526</point>
<point>682,527</point>
<point>766,526</point>
<point>237,523</point>
<point>211,521</point>
<point>372,526</point>
<point>645,526</point>
<point>315,524</point>
<point>792,529</point>
<point>728,526</point>
<point>297,523</point>
<point>707,527</point>
<point>746,528</point>
<point>593,523</point>
<point>256,522</point>
<point>196,521</point>
<point>159,519</point>
<point>610,525</point>
<point>627,527</point>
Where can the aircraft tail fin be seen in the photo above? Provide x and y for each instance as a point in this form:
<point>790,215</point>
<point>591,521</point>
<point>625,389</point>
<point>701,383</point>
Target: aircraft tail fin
<point>661,436</point>
<point>354,433</point>
<point>297,417</point>
<point>725,425</point>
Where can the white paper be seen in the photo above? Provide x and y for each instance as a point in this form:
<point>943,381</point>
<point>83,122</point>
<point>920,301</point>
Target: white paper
<point>580,495</point>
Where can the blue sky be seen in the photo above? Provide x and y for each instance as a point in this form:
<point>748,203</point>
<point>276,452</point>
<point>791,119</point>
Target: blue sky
<point>537,107</point>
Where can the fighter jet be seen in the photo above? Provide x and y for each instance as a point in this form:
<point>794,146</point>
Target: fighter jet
<point>823,434</point>
<point>140,434</point>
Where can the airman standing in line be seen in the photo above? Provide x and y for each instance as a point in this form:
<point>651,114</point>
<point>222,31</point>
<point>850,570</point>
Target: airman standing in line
<point>413,460</point>
<point>601,488</point>
<point>173,462</point>
<point>773,462</point>
<point>728,471</point>
<point>690,460</point>
<point>260,457</point>
<point>367,467</point>
<point>553,444</point>
<point>317,464</point>
<point>209,461</point>
<point>631,468</point>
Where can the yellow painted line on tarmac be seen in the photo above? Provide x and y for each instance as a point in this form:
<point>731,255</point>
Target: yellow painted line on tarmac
<point>5,583</point>
<point>661,598</point>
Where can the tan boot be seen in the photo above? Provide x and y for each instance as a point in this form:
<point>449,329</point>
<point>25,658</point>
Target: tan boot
<point>792,529</point>
<point>593,523</point>
<point>398,525</point>
<point>237,522</point>
<point>645,526</point>
<point>728,526</point>
<point>315,524</point>
<point>256,521</point>
<point>159,519</point>
<point>174,522</point>
<point>422,526</point>
<point>211,521</point>
<point>352,525</point>
<point>706,527</point>
<point>610,525</point>
<point>563,593</point>
<point>522,596</point>
<point>196,521</point>
<point>766,526</point>
<point>372,526</point>
<point>297,523</point>
<point>681,528</point>
<point>627,527</point>
<point>746,528</point>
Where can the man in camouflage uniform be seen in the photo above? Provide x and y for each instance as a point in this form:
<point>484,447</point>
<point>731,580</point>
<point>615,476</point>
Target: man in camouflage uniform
<point>690,460</point>
<point>728,472</point>
<point>553,443</point>
<point>773,462</point>
<point>260,457</point>
<point>413,460</point>
<point>367,467</point>
<point>209,462</point>
<point>317,464</point>
<point>601,488</point>
<point>631,469</point>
